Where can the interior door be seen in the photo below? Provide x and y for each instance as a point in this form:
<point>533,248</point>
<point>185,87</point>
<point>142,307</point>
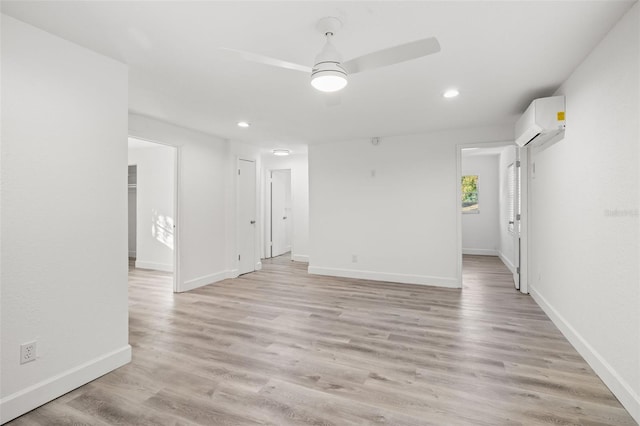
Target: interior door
<point>517,214</point>
<point>246,216</point>
<point>280,212</point>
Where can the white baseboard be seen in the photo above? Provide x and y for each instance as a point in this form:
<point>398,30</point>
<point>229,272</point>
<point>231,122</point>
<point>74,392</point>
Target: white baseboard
<point>202,281</point>
<point>47,390</point>
<point>480,252</point>
<point>233,273</point>
<point>620,388</point>
<point>385,276</point>
<point>507,262</point>
<point>156,266</point>
<point>300,258</point>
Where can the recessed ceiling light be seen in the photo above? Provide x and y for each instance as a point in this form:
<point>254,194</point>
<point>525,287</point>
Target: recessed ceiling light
<point>451,93</point>
<point>281,152</point>
<point>243,124</point>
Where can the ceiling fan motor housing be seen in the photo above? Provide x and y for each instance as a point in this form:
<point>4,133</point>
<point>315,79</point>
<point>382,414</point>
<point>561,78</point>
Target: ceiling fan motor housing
<point>328,67</point>
<point>329,59</point>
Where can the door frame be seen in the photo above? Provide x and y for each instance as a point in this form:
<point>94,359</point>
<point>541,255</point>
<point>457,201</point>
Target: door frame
<point>176,208</point>
<point>268,219</point>
<point>521,154</point>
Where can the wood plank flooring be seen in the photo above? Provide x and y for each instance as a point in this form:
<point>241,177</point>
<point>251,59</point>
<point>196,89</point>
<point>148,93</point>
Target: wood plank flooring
<point>282,347</point>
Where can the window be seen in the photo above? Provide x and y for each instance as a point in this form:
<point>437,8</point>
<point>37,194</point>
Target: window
<point>470,194</point>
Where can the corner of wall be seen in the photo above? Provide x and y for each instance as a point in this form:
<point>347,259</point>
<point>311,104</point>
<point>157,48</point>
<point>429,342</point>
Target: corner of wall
<point>300,258</point>
<point>40,393</point>
<point>620,387</point>
<point>203,281</point>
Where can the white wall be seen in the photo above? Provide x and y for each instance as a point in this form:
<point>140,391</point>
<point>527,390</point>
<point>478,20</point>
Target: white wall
<point>299,166</point>
<point>64,220</point>
<point>202,176</point>
<point>480,230</point>
<point>393,206</point>
<point>154,213</point>
<point>506,243</point>
<point>584,211</point>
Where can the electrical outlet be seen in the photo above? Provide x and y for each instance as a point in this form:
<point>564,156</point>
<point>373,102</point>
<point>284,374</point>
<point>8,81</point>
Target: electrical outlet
<point>27,352</point>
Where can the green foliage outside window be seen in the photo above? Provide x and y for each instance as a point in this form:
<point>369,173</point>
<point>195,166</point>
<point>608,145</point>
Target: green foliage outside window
<point>470,194</point>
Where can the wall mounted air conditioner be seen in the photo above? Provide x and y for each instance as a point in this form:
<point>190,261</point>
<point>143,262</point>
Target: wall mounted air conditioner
<point>541,122</point>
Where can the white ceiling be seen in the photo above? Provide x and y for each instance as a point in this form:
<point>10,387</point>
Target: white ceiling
<point>501,55</point>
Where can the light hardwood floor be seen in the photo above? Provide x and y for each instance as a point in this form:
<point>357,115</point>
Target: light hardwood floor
<point>283,347</point>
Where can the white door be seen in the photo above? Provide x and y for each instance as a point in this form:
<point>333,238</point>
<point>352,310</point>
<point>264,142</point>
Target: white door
<point>517,220</point>
<point>246,216</point>
<point>280,212</point>
<point>522,209</point>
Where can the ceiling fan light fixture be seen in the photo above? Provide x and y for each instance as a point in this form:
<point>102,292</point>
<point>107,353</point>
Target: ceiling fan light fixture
<point>328,77</point>
<point>329,82</point>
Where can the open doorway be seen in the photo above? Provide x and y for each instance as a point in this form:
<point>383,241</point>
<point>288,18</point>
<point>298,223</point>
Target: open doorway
<point>132,203</point>
<point>490,208</point>
<point>152,209</point>
<point>279,213</point>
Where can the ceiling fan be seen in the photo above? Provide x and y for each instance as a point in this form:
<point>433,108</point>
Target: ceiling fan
<point>329,73</point>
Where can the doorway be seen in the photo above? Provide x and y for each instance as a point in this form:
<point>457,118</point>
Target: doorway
<point>491,219</point>
<point>152,208</point>
<point>279,212</point>
<point>132,197</point>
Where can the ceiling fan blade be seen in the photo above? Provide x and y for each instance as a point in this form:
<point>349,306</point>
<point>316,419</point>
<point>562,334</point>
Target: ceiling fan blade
<point>393,55</point>
<point>254,57</point>
<point>332,99</point>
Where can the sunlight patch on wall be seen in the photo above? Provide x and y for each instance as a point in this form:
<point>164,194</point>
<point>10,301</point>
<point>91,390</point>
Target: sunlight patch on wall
<point>162,228</point>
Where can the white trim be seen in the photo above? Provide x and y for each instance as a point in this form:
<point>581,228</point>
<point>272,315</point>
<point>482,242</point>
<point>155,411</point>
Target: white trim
<point>232,273</point>
<point>525,218</point>
<point>300,258</point>
<point>480,252</point>
<point>203,280</point>
<point>510,266</point>
<point>25,400</point>
<point>459,249</point>
<point>458,216</point>
<point>620,388</point>
<point>156,266</point>
<point>385,276</point>
<point>268,224</point>
<point>176,200</point>
<point>177,216</point>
